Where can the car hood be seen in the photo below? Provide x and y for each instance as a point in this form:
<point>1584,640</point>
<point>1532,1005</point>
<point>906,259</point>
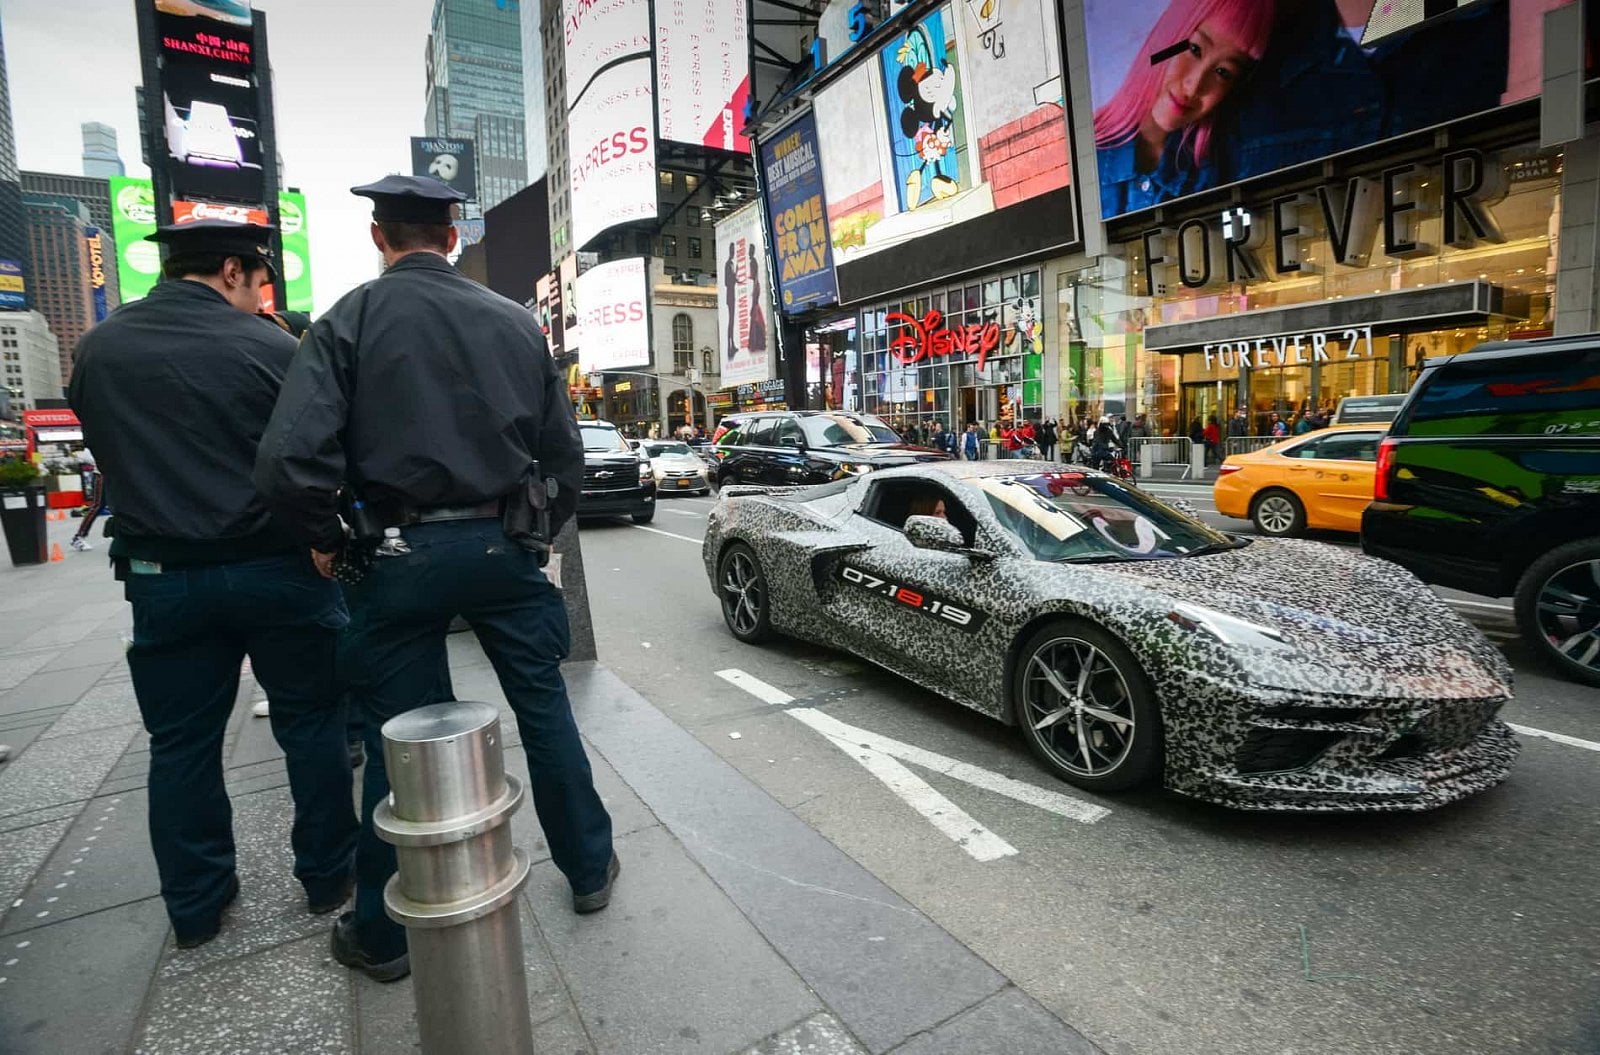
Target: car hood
<point>677,461</point>
<point>1349,623</point>
<point>610,458</point>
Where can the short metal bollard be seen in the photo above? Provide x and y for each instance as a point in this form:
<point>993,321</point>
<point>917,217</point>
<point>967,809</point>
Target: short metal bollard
<point>448,815</point>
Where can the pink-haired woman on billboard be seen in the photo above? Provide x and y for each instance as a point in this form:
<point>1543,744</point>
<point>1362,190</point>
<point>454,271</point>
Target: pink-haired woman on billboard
<point>1153,138</point>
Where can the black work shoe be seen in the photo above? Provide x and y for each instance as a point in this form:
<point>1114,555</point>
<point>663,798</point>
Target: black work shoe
<point>583,904</point>
<point>358,754</point>
<point>195,939</point>
<point>348,951</point>
<point>322,908</point>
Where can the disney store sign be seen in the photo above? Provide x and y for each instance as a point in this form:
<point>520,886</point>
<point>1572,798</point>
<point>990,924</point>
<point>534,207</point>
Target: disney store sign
<point>1316,346</point>
<point>925,338</point>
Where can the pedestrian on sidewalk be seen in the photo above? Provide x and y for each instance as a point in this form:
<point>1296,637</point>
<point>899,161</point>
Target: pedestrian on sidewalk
<point>483,404</point>
<point>174,391</point>
<point>94,500</point>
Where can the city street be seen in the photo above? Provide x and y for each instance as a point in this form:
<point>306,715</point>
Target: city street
<point>1152,923</point>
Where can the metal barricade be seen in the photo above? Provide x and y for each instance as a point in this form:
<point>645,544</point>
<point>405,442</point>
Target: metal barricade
<point>448,816</point>
<point>1247,444</point>
<point>1151,452</point>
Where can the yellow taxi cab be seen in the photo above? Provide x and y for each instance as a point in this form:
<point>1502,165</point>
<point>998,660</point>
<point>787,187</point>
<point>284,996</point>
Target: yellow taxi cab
<point>1322,479</point>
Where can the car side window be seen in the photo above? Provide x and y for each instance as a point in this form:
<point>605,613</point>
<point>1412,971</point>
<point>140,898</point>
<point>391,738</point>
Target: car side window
<point>1350,446</point>
<point>1304,450</point>
<point>788,434</point>
<point>759,433</point>
<point>1554,393</point>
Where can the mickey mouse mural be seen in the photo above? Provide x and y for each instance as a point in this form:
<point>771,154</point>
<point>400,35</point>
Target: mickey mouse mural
<point>924,107</point>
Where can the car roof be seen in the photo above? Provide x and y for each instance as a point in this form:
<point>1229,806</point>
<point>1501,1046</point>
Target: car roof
<point>594,423</point>
<point>978,470</point>
<point>1576,342</point>
<point>1379,397</point>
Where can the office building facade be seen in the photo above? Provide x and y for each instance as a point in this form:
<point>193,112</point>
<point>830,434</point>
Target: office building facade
<point>57,241</point>
<point>94,194</point>
<point>474,70</point>
<point>13,221</point>
<point>100,157</point>
<point>30,360</point>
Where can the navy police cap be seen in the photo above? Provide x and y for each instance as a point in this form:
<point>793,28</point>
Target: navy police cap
<point>410,199</point>
<point>218,236</point>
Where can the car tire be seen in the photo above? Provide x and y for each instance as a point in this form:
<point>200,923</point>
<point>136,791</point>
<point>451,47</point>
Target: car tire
<point>740,578</point>
<point>1278,514</point>
<point>646,516</point>
<point>1068,739</point>
<point>1558,600</point>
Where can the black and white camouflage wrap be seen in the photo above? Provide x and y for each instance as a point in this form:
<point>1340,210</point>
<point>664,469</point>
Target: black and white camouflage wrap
<point>1405,691</point>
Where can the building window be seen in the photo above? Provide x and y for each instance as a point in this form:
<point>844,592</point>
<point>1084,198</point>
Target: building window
<point>641,242</point>
<point>694,249</point>
<point>705,361</point>
<point>669,245</point>
<point>682,343</point>
<point>690,182</point>
<point>666,180</point>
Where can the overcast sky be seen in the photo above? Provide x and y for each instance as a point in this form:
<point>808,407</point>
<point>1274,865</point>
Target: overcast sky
<point>348,78</point>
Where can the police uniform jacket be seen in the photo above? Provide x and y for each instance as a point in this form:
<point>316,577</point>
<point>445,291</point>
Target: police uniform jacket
<point>174,392</point>
<point>419,389</point>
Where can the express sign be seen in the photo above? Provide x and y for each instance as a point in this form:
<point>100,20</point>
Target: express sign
<point>923,338</point>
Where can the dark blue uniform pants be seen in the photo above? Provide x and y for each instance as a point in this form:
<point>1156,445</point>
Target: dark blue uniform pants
<point>192,628</point>
<point>401,613</point>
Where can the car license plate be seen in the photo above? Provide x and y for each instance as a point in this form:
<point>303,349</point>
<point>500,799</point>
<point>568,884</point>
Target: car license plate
<point>683,483</point>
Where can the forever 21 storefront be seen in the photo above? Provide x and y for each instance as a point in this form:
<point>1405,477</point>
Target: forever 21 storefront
<point>1318,290</point>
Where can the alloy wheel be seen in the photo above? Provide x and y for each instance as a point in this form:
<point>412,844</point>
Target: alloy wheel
<point>1079,706</point>
<point>1276,514</point>
<point>1569,612</point>
<point>743,593</point>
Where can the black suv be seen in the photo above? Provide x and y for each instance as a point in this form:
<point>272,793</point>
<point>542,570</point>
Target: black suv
<point>792,447</point>
<point>616,479</point>
<point>1489,481</point>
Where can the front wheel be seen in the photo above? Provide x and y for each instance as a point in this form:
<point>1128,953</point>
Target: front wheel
<point>646,516</point>
<point>1558,608</point>
<point>1086,708</point>
<point>742,588</point>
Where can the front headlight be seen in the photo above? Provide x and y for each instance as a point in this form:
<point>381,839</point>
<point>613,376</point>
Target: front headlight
<point>854,468</point>
<point>645,475</point>
<point>1227,629</point>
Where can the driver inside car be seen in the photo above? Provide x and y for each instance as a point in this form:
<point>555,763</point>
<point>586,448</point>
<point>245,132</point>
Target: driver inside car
<point>928,505</point>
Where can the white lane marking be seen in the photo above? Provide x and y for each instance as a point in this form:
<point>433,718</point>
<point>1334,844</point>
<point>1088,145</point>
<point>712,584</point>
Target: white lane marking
<point>1560,738</point>
<point>658,531</point>
<point>883,757</point>
<point>955,822</point>
<point>1478,604</point>
<point>769,694</point>
<point>685,513</point>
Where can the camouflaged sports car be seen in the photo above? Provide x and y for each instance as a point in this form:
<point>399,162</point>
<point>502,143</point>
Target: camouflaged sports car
<point>1129,641</point>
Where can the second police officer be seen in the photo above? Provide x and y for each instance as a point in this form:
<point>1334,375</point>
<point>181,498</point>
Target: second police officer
<point>174,391</point>
<point>430,399</point>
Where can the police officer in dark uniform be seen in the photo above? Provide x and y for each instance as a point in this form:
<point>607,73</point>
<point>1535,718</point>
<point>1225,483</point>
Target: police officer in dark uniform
<point>174,391</point>
<point>434,402</point>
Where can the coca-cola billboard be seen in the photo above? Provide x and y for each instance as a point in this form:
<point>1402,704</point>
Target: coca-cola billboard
<point>191,211</point>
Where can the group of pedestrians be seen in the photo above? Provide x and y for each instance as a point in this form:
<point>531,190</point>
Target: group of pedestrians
<point>326,511</point>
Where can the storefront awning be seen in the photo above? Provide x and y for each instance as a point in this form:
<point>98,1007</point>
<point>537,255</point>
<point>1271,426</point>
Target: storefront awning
<point>1425,307</point>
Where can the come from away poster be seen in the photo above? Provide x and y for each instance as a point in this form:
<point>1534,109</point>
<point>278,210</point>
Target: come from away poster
<point>802,251</point>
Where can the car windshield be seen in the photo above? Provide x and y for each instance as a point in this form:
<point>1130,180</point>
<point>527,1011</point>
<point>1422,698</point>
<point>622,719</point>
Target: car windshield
<point>602,438</point>
<point>1076,516</point>
<point>833,430</point>
<point>656,450</point>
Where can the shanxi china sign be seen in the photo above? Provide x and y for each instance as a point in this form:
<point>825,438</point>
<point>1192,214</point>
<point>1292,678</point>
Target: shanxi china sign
<point>920,339</point>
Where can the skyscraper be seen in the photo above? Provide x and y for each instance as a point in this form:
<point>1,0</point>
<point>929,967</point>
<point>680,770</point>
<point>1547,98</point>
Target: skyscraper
<point>95,195</point>
<point>555,117</point>
<point>533,89</point>
<point>100,157</point>
<point>13,222</point>
<point>474,69</point>
<point>57,237</point>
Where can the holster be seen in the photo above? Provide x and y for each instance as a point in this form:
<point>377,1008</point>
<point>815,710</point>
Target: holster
<point>526,520</point>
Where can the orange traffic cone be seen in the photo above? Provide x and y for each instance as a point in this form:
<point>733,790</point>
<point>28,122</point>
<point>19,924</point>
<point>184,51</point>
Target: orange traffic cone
<point>56,554</point>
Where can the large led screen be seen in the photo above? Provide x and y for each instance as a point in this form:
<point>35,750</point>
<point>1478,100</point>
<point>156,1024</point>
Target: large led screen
<point>614,311</point>
<point>213,147</point>
<point>1194,94</point>
<point>450,161</point>
<point>958,129</point>
<point>133,219</point>
<point>744,300</point>
<point>702,50</point>
<point>612,163</point>
<point>216,32</point>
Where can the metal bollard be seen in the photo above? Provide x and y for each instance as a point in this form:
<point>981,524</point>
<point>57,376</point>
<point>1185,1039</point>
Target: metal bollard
<point>448,815</point>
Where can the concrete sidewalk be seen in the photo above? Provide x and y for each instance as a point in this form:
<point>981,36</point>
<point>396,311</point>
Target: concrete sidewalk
<point>735,927</point>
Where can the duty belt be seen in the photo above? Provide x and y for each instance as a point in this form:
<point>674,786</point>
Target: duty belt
<point>429,514</point>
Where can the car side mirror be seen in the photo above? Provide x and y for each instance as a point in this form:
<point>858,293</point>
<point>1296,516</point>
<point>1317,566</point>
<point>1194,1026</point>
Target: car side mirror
<point>936,533</point>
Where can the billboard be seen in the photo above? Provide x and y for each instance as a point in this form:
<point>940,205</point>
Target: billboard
<point>547,308</point>
<point>296,240</point>
<point>744,302</point>
<point>570,331</point>
<point>133,219</point>
<point>1194,94</point>
<point>213,146</point>
<point>959,127</point>
<point>615,315</point>
<point>97,272</point>
<point>450,161</point>
<point>191,211</point>
<point>218,33</point>
<point>600,33</point>
<point>792,186</point>
<point>13,286</point>
<point>612,163</point>
<point>702,51</point>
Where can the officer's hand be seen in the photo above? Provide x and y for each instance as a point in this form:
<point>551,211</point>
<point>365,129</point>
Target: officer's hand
<point>324,562</point>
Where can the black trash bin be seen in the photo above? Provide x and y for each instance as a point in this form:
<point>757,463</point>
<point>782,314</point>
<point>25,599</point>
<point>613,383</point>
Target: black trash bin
<point>22,512</point>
